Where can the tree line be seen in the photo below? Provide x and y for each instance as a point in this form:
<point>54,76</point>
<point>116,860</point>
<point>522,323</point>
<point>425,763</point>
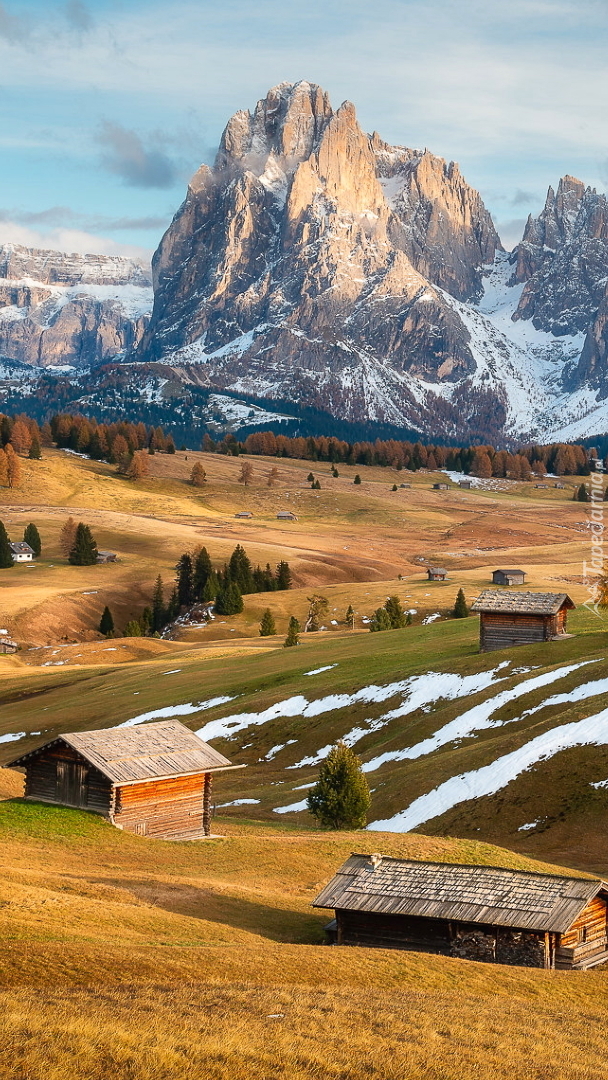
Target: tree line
<point>118,442</point>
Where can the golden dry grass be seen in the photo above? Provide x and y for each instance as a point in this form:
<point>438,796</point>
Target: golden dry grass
<point>350,541</point>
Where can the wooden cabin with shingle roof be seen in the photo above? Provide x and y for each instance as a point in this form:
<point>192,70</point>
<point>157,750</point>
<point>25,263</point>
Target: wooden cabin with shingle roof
<point>475,912</point>
<point>523,618</point>
<point>153,780</point>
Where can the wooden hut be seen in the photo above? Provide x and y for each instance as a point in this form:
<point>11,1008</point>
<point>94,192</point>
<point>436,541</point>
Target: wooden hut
<point>441,487</point>
<point>154,780</point>
<point>465,484</point>
<point>286,515</point>
<point>107,556</point>
<point>524,618</point>
<point>509,577</point>
<point>7,645</point>
<point>474,912</point>
<point>436,573</point>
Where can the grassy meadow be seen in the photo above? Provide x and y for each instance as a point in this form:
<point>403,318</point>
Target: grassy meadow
<point>148,960</point>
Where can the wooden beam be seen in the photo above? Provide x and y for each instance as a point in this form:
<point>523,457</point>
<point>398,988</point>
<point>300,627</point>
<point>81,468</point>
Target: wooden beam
<point>207,804</point>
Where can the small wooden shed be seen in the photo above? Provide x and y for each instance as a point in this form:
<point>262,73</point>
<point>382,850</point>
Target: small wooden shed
<point>106,556</point>
<point>7,645</point>
<point>154,780</point>
<point>436,573</point>
<point>441,487</point>
<point>524,618</point>
<point>286,515</point>
<point>475,912</point>
<point>465,484</point>
<point>509,577</point>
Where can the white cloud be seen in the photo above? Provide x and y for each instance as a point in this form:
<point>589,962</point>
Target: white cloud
<point>70,240</point>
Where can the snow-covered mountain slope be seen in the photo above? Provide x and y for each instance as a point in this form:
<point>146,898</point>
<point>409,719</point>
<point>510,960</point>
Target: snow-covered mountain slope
<point>76,310</point>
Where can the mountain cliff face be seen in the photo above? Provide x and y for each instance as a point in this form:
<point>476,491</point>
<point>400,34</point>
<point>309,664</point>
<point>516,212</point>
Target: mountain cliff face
<point>312,261</point>
<point>75,310</point>
<point>563,259</point>
<point>317,265</point>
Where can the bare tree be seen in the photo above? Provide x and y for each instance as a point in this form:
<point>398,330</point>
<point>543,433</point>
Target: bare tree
<point>246,473</point>
<point>273,476</point>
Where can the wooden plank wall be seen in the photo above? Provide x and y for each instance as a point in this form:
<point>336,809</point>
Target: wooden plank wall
<point>161,807</point>
<point>586,938</point>
<point>502,631</point>
<point>41,779</point>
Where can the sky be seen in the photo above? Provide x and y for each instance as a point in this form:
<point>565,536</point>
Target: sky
<point>109,106</point>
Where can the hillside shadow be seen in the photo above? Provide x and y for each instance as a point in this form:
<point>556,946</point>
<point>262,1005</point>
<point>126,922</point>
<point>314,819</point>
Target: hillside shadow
<point>252,916</point>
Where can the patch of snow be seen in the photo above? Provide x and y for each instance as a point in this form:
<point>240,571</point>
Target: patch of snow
<point>477,718</point>
<point>530,825</point>
<point>430,618</point>
<point>169,711</point>
<point>293,808</point>
<point>318,670</point>
<point>592,731</point>
<point>238,802</point>
<point>14,737</point>
<point>174,671</point>
<point>274,750</point>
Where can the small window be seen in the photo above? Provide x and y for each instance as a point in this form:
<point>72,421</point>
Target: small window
<point>583,935</point>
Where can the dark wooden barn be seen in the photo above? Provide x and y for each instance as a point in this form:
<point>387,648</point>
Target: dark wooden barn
<point>474,912</point>
<point>436,573</point>
<point>524,618</point>
<point>154,780</point>
<point>509,577</point>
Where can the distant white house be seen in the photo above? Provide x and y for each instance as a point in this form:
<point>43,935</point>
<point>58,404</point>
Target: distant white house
<point>21,551</point>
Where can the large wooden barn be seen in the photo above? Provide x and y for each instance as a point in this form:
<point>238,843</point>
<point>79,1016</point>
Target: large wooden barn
<point>524,618</point>
<point>154,780</point>
<point>474,912</point>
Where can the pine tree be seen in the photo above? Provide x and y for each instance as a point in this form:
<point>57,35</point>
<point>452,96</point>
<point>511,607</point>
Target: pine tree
<point>202,570</point>
<point>293,633</point>
<point>35,452</point>
<point>229,600</point>
<point>334,471</point>
<point>583,494</point>
<point>6,558</point>
<point>318,608</point>
<point>67,537</point>
<point>395,612</point>
<point>317,485</point>
<point>394,488</point>
<point>240,570</point>
<point>350,616</point>
<point>461,610</point>
<point>185,580</point>
<point>212,587</point>
<point>357,479</point>
<point>158,606</point>
<point>84,550</point>
<point>32,537</point>
<point>132,629</point>
<point>145,621</point>
<point>172,607</point>
<point>267,625</point>
<point>283,578</point>
<point>380,620</point>
<point>310,478</point>
<point>106,623</point>
<point>340,799</point>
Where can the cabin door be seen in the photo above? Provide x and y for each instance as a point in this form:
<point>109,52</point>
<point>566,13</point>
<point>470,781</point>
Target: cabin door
<point>71,788</point>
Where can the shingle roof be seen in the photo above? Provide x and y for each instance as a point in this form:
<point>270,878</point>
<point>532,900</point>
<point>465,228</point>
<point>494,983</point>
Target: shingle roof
<point>21,548</point>
<point>481,894</point>
<point>500,571</point>
<point>147,752</point>
<point>436,570</point>
<point>522,603</point>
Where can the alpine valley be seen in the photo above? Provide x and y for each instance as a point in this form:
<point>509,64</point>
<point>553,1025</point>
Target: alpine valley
<point>316,275</point>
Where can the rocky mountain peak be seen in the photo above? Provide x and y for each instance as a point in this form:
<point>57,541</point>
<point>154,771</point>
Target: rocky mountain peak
<point>287,123</point>
<point>563,259</point>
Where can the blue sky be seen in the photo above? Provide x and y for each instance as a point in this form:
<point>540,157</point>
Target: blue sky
<point>110,105</point>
